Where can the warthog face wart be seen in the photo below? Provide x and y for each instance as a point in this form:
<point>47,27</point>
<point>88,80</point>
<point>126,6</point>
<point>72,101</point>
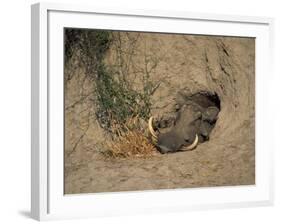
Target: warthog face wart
<point>192,125</point>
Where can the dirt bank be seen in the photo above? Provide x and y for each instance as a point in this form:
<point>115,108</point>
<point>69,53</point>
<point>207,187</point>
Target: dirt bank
<point>179,63</point>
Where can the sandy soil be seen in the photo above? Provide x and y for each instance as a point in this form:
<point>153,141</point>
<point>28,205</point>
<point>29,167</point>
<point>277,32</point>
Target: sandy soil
<point>182,63</point>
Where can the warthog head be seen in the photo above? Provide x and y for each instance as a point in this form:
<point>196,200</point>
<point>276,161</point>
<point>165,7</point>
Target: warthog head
<point>193,124</point>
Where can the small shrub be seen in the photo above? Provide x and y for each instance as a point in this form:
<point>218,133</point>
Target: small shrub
<point>116,101</point>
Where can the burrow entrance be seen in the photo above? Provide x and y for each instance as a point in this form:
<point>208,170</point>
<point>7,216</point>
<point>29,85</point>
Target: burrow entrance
<point>193,114</point>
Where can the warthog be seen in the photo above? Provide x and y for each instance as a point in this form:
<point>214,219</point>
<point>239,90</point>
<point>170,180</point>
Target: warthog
<point>192,125</point>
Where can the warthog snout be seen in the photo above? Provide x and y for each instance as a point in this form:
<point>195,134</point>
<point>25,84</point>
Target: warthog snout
<point>172,141</point>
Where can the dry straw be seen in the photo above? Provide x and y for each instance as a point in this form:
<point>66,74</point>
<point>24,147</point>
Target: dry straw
<point>131,142</point>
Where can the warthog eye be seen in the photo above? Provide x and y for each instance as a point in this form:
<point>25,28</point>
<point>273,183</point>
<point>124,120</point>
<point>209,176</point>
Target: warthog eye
<point>198,115</point>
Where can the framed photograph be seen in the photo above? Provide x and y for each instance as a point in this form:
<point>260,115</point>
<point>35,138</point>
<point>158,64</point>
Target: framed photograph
<point>138,111</point>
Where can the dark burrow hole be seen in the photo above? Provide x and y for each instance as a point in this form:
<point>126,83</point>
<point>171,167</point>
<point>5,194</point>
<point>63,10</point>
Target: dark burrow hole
<point>209,103</point>
<point>205,99</point>
<point>194,114</point>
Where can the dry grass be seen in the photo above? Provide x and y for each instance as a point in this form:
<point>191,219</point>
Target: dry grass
<point>131,142</point>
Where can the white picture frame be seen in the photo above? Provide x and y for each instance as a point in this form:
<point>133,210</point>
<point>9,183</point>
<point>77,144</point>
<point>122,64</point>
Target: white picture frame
<point>48,201</point>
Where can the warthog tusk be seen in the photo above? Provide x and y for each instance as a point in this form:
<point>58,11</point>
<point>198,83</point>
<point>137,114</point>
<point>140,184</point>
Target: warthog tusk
<point>151,130</point>
<point>194,144</point>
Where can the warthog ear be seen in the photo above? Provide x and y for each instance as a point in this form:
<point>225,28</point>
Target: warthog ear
<point>211,114</point>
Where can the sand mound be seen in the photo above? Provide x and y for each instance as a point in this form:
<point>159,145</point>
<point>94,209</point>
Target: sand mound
<point>183,64</point>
